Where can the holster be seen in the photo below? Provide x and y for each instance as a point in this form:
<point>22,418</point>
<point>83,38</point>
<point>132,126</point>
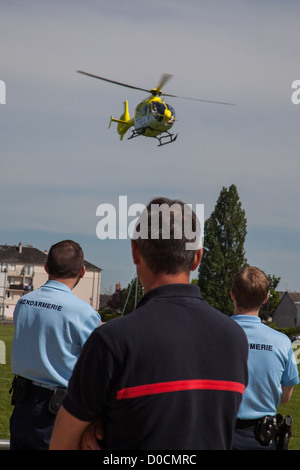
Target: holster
<point>20,389</point>
<point>56,400</point>
<point>266,429</point>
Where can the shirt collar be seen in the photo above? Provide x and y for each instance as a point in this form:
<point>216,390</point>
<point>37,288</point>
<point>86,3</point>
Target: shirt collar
<point>247,318</point>
<point>57,285</point>
<point>171,290</point>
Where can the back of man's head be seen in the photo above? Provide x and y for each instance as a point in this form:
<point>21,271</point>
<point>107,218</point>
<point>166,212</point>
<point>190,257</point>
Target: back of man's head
<point>65,260</point>
<point>167,235</point>
<point>250,288</point>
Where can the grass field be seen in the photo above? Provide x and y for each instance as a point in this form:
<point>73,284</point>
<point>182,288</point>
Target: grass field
<point>6,335</point>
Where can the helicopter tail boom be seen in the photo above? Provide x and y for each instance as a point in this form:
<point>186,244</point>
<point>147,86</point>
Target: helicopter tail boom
<point>124,123</point>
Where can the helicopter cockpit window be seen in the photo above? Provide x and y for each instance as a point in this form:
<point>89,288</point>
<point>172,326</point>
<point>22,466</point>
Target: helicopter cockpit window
<point>158,110</point>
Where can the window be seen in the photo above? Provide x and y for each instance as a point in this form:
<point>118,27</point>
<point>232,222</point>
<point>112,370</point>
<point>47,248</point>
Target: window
<point>158,110</point>
<point>29,270</point>
<point>3,267</point>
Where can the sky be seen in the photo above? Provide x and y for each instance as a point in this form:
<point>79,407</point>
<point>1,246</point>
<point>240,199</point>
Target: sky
<point>59,161</point>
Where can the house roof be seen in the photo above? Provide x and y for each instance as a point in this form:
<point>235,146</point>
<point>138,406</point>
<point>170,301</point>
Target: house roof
<point>294,296</point>
<point>91,266</point>
<point>22,255</point>
<point>29,255</point>
<point>104,299</point>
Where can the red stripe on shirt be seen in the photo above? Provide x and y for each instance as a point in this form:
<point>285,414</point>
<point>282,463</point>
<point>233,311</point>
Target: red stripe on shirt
<point>179,385</point>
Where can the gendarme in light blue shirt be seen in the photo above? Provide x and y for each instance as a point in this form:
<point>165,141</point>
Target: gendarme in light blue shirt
<point>271,365</point>
<point>51,326</point>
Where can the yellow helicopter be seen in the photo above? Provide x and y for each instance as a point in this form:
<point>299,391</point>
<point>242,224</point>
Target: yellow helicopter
<point>153,117</point>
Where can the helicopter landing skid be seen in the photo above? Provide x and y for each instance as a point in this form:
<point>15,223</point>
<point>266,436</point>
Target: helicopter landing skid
<point>170,137</point>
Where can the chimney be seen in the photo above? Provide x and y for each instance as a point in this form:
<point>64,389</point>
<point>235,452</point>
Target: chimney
<point>118,286</point>
<point>20,247</point>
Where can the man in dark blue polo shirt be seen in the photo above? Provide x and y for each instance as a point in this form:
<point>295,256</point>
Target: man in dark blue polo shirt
<point>172,373</point>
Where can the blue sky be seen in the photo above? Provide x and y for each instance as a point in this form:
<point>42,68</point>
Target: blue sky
<point>59,161</point>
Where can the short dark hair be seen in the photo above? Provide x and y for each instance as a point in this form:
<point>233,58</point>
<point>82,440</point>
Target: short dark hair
<point>167,254</point>
<point>65,260</point>
<point>250,287</point>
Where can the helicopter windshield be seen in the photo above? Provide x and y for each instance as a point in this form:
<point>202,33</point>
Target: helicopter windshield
<point>158,110</point>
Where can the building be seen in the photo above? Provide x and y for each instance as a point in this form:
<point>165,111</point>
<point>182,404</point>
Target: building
<point>22,270</point>
<point>286,313</point>
<point>106,298</point>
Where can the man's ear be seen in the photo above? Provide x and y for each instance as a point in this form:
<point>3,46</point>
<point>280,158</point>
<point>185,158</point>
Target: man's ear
<point>82,272</point>
<point>46,268</point>
<point>197,259</point>
<point>135,251</point>
<point>266,299</point>
<point>231,295</point>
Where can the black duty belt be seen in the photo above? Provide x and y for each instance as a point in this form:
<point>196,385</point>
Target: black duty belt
<point>246,423</point>
<point>269,429</point>
<point>41,391</point>
<point>22,388</point>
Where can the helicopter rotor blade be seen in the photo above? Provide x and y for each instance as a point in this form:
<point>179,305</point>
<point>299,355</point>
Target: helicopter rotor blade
<point>198,99</point>
<point>113,81</point>
<point>164,79</point>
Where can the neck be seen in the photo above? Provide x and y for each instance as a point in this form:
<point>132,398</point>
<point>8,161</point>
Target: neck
<point>71,283</point>
<point>241,311</point>
<point>162,279</point>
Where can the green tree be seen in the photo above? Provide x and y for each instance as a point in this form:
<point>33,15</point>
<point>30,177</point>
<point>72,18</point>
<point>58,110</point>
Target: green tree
<point>132,295</point>
<point>223,251</point>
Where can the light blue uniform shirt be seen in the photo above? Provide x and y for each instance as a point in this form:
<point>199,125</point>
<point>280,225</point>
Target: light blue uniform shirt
<point>271,365</point>
<point>51,326</point>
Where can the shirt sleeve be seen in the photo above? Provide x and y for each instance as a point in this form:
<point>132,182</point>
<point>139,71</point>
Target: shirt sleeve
<point>90,384</point>
<point>89,321</point>
<point>290,375</point>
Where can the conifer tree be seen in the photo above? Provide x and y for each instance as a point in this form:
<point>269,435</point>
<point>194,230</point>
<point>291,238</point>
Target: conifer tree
<point>223,251</point>
<point>132,295</point>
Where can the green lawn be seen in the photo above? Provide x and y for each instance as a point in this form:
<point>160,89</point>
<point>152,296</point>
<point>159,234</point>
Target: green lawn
<point>6,335</point>
<point>293,408</point>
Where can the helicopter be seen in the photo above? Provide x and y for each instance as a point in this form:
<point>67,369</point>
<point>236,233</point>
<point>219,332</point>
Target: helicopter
<point>153,116</point>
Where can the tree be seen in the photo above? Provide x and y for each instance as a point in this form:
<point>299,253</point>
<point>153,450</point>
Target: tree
<point>223,251</point>
<point>132,295</point>
<point>117,300</point>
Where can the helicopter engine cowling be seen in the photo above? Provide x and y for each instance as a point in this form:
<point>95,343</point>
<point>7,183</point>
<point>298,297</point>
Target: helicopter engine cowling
<point>167,115</point>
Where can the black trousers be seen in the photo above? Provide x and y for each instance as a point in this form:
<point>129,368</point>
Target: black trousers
<point>244,439</point>
<point>31,423</point>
